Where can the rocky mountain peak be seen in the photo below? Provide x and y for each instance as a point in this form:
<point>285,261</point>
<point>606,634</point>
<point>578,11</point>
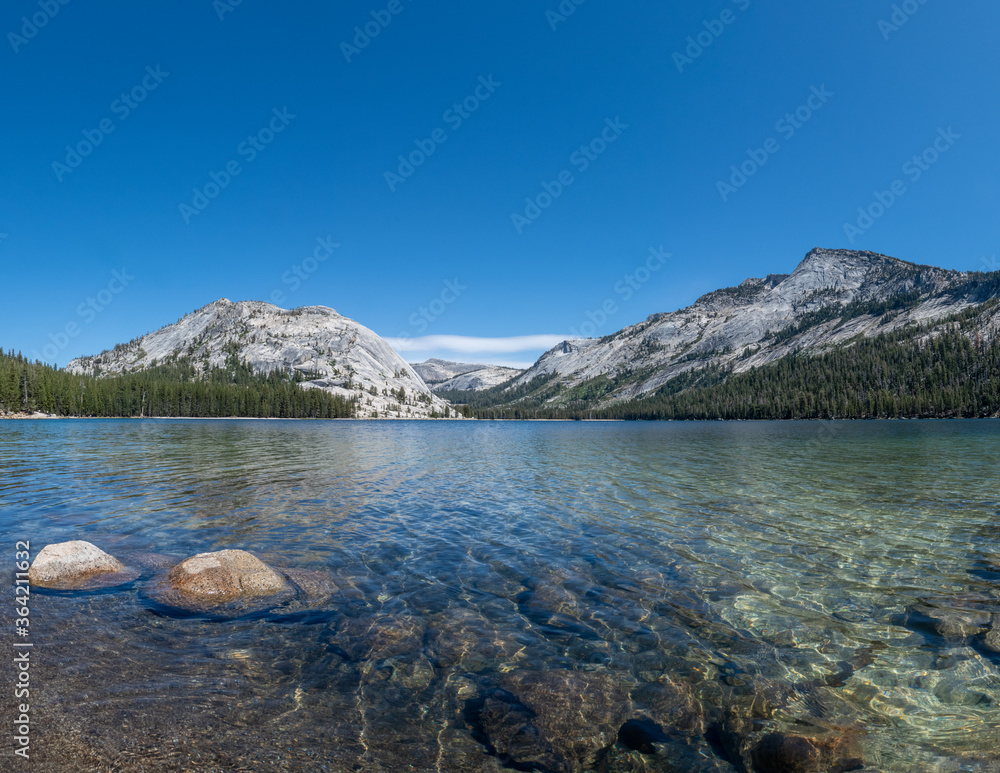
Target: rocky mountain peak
<point>314,343</point>
<point>832,296</point>
<point>834,259</point>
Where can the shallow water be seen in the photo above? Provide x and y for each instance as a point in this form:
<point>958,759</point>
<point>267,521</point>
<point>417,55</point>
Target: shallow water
<point>515,593</point>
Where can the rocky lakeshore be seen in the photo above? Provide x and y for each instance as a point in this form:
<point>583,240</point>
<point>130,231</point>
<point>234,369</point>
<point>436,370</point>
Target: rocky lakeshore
<point>515,716</point>
<point>496,711</point>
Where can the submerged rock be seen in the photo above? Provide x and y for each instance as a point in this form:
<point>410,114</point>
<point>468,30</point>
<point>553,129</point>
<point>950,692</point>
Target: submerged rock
<point>672,740</point>
<point>505,726</point>
<point>225,575</point>
<point>314,585</point>
<point>463,638</point>
<point>792,753</point>
<point>781,753</point>
<point>231,583</point>
<point>642,735</point>
<point>730,736</point>
<point>377,637</point>
<point>990,641</point>
<point>955,619</point>
<point>553,720</point>
<point>668,759</point>
<point>227,582</point>
<point>77,565</point>
<point>753,738</point>
<point>579,711</point>
<point>958,624</point>
<point>672,704</point>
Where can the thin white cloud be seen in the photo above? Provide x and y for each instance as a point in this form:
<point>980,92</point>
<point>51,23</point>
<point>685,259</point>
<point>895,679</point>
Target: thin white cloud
<point>474,345</point>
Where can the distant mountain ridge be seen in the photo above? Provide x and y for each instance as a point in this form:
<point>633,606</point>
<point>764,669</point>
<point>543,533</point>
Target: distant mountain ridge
<point>332,352</point>
<point>833,300</point>
<point>832,297</point>
<point>444,376</point>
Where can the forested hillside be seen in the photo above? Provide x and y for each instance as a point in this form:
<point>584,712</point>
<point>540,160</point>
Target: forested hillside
<point>831,298</point>
<point>167,390</point>
<point>940,369</point>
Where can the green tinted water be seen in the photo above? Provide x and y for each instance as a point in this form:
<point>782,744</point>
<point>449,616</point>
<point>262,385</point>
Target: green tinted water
<point>515,593</point>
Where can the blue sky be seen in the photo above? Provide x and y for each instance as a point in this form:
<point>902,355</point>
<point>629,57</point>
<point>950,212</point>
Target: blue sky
<point>562,173</point>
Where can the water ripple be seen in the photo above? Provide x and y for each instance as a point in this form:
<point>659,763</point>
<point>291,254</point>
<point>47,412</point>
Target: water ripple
<point>512,593</point>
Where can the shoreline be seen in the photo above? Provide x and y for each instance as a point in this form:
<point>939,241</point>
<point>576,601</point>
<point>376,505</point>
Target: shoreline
<point>50,417</point>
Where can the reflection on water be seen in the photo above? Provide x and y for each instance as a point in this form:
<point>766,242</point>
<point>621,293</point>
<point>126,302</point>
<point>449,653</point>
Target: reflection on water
<point>535,596</point>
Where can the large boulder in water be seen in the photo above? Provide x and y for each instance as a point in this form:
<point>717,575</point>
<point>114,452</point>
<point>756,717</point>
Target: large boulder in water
<point>225,575</point>
<point>77,565</point>
<point>231,583</point>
